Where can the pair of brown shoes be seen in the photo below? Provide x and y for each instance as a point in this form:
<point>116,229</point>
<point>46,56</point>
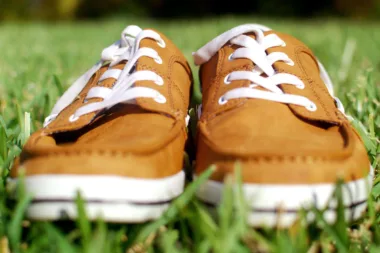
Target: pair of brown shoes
<point>118,133</point>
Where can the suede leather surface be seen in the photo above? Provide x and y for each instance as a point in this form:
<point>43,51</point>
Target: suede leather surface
<point>142,140</point>
<point>275,142</point>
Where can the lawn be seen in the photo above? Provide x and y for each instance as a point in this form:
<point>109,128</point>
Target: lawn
<point>39,61</point>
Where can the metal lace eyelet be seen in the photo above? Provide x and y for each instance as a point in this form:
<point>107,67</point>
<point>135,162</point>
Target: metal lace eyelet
<point>226,79</point>
<point>222,100</point>
<point>158,60</point>
<point>290,62</point>
<point>300,86</point>
<point>160,99</point>
<point>73,118</point>
<point>159,81</point>
<point>311,107</point>
<point>161,43</point>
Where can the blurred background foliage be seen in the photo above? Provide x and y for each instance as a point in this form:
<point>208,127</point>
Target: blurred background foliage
<point>93,9</point>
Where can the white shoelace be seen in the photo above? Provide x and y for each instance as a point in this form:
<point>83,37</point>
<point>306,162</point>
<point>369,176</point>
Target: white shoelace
<point>123,90</point>
<point>254,50</point>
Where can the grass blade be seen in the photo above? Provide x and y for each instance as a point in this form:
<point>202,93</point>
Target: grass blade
<point>83,223</point>
<point>15,224</point>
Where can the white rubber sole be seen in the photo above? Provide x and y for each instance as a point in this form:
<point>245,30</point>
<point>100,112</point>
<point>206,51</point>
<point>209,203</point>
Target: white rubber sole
<point>112,198</point>
<point>279,205</point>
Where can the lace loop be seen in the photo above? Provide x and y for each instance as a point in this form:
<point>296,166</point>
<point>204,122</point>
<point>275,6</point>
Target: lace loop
<point>205,53</point>
<point>254,49</point>
<point>123,90</point>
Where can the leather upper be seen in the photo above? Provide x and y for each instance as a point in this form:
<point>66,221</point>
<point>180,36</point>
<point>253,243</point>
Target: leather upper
<point>275,142</point>
<point>145,139</point>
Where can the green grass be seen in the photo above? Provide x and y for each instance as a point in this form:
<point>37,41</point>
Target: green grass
<point>37,63</point>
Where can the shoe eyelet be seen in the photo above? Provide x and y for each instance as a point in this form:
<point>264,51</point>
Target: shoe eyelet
<point>161,43</point>
<point>226,79</point>
<point>300,86</point>
<point>311,107</point>
<point>49,119</point>
<point>85,100</point>
<point>160,99</point>
<point>159,81</point>
<point>290,62</point>
<point>73,118</point>
<point>230,57</point>
<point>222,100</point>
<point>158,60</point>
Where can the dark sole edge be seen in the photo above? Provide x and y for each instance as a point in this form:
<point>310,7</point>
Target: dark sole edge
<point>290,211</point>
<point>98,201</point>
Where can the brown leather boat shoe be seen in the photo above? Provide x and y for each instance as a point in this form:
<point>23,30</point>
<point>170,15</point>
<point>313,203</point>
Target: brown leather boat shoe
<point>268,104</point>
<point>117,135</point>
